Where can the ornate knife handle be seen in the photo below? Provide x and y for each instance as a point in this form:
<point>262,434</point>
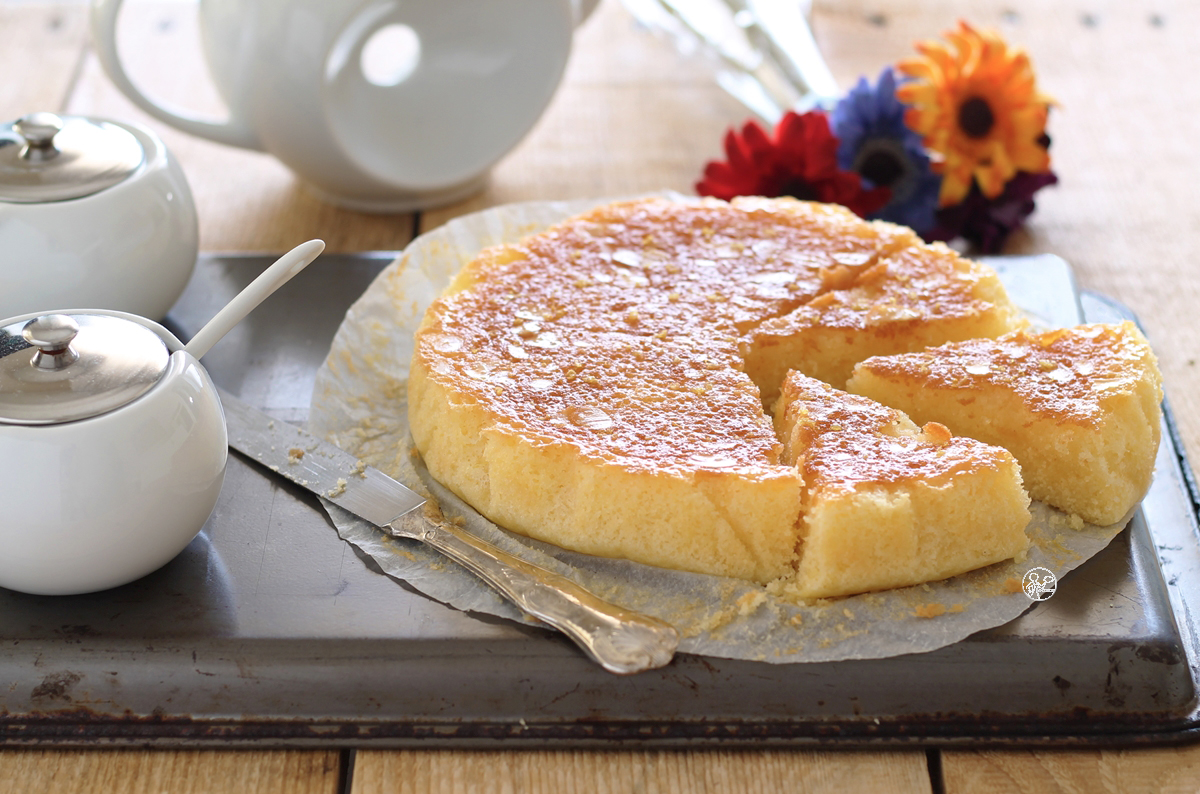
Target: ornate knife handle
<point>620,641</point>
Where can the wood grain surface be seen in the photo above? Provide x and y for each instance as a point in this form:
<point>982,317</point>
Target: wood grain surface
<point>173,771</point>
<point>1152,771</point>
<point>434,772</point>
<point>633,115</point>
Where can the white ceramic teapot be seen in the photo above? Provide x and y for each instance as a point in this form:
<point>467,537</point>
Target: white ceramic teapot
<point>380,105</point>
<point>113,439</point>
<point>92,213</point>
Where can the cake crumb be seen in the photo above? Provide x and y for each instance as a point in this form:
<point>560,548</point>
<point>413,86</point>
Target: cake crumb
<point>295,455</point>
<point>713,621</point>
<point>936,433</point>
<point>337,490</point>
<point>750,602</point>
<point>432,512</point>
<point>1011,585</point>
<point>929,610</point>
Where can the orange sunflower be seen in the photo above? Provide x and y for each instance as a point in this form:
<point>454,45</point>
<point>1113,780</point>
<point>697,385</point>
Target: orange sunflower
<point>974,101</point>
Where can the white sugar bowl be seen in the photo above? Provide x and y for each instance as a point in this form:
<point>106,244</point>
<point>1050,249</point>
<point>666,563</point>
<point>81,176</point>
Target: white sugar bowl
<point>115,445</point>
<point>93,213</point>
<point>113,439</point>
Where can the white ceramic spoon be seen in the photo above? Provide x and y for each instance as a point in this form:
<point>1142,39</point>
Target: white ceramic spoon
<point>255,293</point>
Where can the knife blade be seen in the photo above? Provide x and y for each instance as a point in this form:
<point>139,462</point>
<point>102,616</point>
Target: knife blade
<point>620,640</point>
<point>320,467</point>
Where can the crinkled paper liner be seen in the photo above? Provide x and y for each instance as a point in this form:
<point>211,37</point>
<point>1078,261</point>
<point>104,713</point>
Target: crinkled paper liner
<point>359,404</point>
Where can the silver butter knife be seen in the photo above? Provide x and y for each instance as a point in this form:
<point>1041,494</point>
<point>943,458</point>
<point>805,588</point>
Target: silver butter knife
<point>621,641</point>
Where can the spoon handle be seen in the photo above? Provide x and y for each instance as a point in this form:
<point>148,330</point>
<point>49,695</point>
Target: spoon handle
<point>255,293</point>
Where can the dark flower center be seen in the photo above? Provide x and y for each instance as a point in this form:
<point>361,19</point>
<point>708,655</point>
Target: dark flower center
<point>881,168</point>
<point>799,189</point>
<point>975,117</point>
<point>883,162</point>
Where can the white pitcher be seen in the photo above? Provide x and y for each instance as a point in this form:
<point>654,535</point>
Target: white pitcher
<point>380,105</point>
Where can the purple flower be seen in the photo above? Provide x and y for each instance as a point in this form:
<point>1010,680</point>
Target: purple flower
<point>876,144</point>
<point>986,223</point>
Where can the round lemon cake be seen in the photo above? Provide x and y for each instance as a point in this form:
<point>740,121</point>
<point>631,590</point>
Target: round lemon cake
<point>601,385</point>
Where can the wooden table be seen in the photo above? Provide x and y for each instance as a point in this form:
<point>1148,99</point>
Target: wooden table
<point>632,116</point>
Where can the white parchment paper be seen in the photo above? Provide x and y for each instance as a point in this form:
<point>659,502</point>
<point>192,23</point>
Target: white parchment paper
<point>359,404</point>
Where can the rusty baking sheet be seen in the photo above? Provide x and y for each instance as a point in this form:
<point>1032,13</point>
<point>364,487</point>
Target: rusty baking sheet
<point>269,630</point>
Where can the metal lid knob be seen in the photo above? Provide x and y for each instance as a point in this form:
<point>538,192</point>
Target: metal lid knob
<point>46,157</point>
<point>52,335</point>
<point>38,130</point>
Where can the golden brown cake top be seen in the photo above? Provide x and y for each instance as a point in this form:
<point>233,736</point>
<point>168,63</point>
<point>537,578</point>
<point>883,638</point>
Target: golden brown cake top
<point>688,267</point>
<point>617,331</point>
<point>841,441</point>
<point>910,286</point>
<point>1063,374</point>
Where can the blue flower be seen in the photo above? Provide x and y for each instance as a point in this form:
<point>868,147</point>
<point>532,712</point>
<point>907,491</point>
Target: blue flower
<point>876,144</point>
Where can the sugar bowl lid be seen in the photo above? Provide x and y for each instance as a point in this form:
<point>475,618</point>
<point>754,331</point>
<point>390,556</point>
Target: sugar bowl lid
<point>45,157</point>
<point>60,368</point>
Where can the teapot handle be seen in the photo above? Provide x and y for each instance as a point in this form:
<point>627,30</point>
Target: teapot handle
<point>583,9</point>
<point>234,132</point>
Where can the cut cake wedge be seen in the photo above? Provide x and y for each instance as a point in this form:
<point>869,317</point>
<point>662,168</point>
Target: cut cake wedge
<point>1078,407</point>
<point>888,504</point>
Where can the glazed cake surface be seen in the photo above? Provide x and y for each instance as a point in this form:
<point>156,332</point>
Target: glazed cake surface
<point>589,386</point>
<point>1078,407</point>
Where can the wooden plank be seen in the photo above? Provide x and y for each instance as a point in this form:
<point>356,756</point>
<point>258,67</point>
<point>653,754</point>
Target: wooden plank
<point>663,772</point>
<point>41,47</point>
<point>1152,771</point>
<point>178,771</point>
<point>247,201</point>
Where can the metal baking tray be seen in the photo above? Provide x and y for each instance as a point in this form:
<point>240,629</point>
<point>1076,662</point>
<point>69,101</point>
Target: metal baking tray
<point>270,630</point>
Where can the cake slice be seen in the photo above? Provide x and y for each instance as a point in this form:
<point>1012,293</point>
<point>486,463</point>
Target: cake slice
<point>887,504</point>
<point>917,296</point>
<point>1079,408</point>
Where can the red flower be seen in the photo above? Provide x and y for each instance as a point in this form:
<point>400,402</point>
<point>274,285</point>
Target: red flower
<point>799,161</point>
